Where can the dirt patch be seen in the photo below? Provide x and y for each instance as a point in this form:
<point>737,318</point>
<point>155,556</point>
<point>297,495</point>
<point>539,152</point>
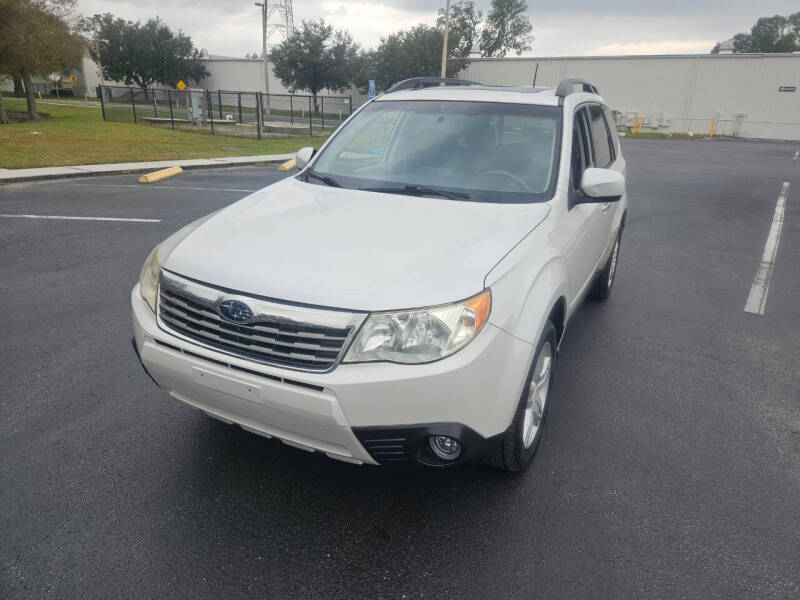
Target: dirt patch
<point>21,117</point>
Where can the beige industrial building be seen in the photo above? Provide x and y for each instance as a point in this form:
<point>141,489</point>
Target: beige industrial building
<point>750,95</point>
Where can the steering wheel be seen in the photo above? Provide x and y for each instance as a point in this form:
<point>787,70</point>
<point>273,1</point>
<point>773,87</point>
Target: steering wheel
<point>518,181</point>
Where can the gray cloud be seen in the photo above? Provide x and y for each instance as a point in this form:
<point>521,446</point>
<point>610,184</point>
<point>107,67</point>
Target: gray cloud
<point>233,27</point>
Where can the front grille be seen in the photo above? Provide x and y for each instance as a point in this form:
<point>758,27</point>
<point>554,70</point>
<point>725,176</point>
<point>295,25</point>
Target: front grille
<point>271,340</point>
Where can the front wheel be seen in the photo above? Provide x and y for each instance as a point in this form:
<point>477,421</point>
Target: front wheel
<point>601,288</point>
<point>519,443</point>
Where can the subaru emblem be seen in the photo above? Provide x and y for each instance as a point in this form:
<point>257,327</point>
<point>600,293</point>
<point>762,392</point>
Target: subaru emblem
<point>235,311</point>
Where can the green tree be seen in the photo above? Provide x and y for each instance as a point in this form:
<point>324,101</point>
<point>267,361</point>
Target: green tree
<point>37,39</point>
<point>741,42</point>
<point>507,28</point>
<point>774,34</point>
<point>465,22</point>
<point>3,77</point>
<point>770,35</point>
<point>3,115</point>
<point>315,57</point>
<point>415,52</point>
<point>143,53</point>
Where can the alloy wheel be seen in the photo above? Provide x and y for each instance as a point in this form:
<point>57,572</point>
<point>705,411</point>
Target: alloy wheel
<point>613,267</point>
<point>537,395</point>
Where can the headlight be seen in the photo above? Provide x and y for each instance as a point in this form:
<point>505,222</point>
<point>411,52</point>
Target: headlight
<point>151,271</point>
<point>148,279</point>
<point>420,335</point>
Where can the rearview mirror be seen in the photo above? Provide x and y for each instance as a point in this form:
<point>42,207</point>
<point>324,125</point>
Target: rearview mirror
<point>304,156</point>
<point>602,185</point>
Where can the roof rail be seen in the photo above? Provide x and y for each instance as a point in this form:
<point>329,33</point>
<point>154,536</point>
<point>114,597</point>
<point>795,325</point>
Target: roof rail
<point>417,83</point>
<point>565,88</point>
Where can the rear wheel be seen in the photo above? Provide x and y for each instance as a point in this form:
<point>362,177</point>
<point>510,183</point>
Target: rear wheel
<point>601,288</point>
<point>519,443</point>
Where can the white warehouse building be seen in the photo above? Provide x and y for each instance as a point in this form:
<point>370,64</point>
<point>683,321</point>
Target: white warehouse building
<point>751,95</point>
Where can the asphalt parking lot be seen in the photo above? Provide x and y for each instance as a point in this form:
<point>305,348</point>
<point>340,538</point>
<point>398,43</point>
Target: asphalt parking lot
<point>670,465</point>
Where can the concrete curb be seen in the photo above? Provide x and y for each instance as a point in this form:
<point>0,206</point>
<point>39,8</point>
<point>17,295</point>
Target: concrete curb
<point>38,174</point>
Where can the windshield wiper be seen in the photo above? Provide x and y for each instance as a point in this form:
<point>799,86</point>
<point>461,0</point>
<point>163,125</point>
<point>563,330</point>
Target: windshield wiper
<point>413,189</point>
<point>326,179</point>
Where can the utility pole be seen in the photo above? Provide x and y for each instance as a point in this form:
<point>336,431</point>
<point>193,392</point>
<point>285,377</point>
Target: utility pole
<point>444,41</point>
<point>264,9</point>
<point>284,23</point>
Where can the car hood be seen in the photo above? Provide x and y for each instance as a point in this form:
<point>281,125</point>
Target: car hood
<point>352,249</point>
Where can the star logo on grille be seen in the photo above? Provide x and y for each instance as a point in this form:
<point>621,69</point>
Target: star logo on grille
<point>235,311</point>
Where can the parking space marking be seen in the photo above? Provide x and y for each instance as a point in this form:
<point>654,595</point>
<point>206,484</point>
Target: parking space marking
<point>164,187</point>
<point>757,299</point>
<point>8,216</point>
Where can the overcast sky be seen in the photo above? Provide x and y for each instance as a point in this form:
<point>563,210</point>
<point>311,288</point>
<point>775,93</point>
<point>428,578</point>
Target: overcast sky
<point>566,27</point>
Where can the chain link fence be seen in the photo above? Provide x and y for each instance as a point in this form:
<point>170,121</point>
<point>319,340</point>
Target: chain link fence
<point>225,112</point>
<point>55,90</point>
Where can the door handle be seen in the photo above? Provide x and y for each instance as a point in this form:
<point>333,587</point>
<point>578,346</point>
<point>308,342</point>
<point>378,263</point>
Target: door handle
<point>606,206</point>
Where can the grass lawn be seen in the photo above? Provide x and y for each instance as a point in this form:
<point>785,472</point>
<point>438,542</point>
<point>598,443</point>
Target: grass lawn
<point>77,135</point>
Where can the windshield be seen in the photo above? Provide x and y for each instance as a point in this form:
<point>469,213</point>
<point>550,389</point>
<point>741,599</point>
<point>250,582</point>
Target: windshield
<point>479,151</point>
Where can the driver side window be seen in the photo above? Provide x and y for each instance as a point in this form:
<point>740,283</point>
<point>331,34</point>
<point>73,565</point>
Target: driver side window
<point>581,151</point>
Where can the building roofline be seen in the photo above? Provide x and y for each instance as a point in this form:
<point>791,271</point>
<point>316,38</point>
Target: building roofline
<point>230,58</point>
<point>638,56</point>
<point>575,57</point>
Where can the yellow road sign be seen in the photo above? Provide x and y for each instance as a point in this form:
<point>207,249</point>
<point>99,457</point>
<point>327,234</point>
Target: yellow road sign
<point>181,86</point>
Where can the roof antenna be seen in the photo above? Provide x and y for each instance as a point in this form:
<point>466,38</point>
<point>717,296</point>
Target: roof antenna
<point>535,73</point>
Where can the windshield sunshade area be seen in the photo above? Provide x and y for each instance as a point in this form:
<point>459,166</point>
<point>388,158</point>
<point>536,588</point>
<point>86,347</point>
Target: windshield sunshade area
<point>479,151</point>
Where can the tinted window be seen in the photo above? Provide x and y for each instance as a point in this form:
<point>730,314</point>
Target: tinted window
<point>612,127</point>
<point>581,158</point>
<point>601,139</point>
<point>586,138</point>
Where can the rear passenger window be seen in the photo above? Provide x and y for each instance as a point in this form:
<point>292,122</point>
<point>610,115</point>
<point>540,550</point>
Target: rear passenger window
<point>601,138</point>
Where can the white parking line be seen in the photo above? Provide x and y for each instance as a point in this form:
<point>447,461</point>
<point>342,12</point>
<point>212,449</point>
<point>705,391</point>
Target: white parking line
<point>757,299</point>
<point>163,187</point>
<point>7,216</point>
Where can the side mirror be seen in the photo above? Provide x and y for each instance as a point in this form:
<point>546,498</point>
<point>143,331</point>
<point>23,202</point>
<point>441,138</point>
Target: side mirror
<point>304,156</point>
<point>602,185</point>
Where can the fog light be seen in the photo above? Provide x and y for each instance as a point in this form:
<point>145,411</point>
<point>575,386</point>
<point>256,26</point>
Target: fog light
<point>445,447</point>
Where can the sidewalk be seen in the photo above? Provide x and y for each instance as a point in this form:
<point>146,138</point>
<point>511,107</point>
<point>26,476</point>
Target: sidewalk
<point>14,175</point>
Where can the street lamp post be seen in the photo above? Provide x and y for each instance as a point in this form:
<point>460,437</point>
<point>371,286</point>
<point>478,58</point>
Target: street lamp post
<point>444,41</point>
<point>264,9</point>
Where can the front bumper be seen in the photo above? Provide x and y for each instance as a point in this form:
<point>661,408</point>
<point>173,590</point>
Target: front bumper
<point>473,393</point>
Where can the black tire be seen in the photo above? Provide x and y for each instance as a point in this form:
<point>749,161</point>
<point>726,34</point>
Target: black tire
<point>604,280</point>
<point>511,454</point>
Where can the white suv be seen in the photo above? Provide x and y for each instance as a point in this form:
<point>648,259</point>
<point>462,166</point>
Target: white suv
<point>404,296</point>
